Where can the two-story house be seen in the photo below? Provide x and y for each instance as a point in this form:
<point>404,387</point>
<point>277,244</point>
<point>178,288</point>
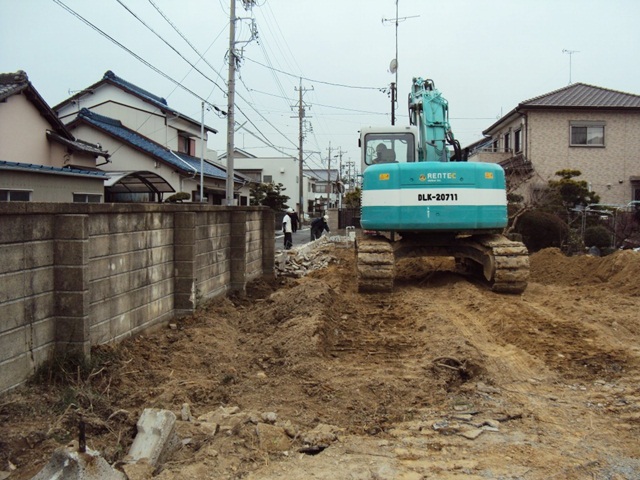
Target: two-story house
<point>146,138</point>
<point>40,160</point>
<point>580,127</point>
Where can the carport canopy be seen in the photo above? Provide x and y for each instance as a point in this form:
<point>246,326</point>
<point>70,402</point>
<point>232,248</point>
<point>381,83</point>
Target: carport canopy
<point>137,182</point>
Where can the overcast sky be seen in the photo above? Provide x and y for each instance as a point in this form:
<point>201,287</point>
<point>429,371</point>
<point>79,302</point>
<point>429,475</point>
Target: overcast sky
<point>485,56</point>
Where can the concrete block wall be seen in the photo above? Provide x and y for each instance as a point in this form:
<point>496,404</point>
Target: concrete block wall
<point>27,295</point>
<point>77,275</point>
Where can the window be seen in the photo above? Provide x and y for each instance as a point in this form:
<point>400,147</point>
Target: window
<point>587,134</point>
<point>507,142</point>
<point>267,179</point>
<point>87,198</point>
<point>517,141</point>
<point>389,147</point>
<point>494,147</point>
<point>186,144</point>
<point>15,195</point>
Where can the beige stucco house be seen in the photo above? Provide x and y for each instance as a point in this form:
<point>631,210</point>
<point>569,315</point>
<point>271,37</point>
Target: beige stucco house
<point>40,160</point>
<point>152,145</point>
<point>581,127</point>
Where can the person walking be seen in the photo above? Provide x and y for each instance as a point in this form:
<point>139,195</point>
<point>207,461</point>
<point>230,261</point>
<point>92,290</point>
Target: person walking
<point>287,229</point>
<point>318,226</point>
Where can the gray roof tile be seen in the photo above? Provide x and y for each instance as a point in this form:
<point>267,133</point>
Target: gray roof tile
<point>181,161</point>
<point>584,96</point>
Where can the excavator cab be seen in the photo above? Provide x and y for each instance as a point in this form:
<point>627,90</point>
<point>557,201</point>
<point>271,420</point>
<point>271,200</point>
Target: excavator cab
<point>389,145</point>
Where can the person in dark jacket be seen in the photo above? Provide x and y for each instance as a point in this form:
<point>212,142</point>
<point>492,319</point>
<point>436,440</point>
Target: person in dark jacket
<point>318,226</point>
<point>295,222</point>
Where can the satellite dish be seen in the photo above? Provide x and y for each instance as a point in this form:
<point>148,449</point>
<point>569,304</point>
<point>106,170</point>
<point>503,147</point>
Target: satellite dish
<point>393,66</point>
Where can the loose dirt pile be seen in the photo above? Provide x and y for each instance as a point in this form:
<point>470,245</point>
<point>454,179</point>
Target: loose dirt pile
<point>441,379</point>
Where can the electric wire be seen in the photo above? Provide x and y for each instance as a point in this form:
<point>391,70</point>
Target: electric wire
<point>315,81</point>
<point>169,45</point>
<point>135,55</point>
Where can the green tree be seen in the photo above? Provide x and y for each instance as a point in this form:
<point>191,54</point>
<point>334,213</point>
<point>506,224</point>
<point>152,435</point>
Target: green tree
<point>352,199</point>
<point>269,195</point>
<point>569,192</point>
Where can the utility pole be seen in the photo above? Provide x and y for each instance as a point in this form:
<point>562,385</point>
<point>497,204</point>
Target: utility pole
<point>301,118</point>
<point>231,85</point>
<point>393,103</point>
<point>234,59</point>
<point>339,179</point>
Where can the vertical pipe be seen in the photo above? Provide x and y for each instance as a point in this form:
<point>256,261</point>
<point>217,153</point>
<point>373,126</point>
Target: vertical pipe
<point>202,156</point>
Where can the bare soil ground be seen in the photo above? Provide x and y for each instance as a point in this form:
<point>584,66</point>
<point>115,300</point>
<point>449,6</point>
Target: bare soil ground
<point>441,379</point>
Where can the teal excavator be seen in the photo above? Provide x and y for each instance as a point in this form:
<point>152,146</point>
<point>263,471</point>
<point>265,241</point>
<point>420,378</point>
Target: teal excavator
<point>420,197</point>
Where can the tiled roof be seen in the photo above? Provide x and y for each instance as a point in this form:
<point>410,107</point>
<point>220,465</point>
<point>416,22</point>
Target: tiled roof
<point>47,169</point>
<point>181,161</point>
<point>12,83</point>
<point>79,145</point>
<point>584,96</point>
<point>574,96</point>
<point>141,92</point>
<point>112,78</point>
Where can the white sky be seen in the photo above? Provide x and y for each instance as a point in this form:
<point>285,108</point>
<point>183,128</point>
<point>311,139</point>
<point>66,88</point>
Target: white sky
<point>485,56</point>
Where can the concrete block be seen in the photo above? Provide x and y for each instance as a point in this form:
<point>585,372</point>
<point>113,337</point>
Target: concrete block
<point>156,438</point>
<point>68,464</point>
<point>70,227</point>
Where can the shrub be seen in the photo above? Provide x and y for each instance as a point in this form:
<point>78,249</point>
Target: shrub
<point>178,197</point>
<point>597,236</point>
<point>541,230</point>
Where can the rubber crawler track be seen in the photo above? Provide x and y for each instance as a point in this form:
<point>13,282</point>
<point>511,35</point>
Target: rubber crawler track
<point>502,263</point>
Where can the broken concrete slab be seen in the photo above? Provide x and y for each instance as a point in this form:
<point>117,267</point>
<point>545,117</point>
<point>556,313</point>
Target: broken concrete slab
<point>156,438</point>
<point>69,464</point>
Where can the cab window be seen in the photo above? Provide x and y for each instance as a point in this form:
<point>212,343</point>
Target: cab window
<point>389,148</point>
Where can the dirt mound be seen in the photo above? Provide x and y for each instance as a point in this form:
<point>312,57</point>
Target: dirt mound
<point>620,270</point>
<point>441,378</point>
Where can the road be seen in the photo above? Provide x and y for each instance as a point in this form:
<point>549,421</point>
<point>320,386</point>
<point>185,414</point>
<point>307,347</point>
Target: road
<point>300,237</point>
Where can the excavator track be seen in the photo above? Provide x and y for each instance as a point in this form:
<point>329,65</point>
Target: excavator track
<point>505,263</point>
<point>375,264</point>
<point>501,263</point>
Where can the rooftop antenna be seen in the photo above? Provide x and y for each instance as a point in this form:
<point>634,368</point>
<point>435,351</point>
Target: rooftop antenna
<point>570,52</point>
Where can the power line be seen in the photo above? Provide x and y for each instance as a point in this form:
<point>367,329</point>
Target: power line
<point>136,56</point>
<point>315,81</point>
<point>169,45</point>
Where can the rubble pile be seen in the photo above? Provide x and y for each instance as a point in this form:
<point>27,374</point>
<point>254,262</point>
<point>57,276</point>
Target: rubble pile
<point>315,255</point>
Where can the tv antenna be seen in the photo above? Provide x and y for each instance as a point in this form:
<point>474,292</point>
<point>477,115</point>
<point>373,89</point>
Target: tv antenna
<point>393,66</point>
<point>570,53</point>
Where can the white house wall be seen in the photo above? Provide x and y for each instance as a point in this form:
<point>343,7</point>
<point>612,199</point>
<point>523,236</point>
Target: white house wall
<point>284,170</point>
<point>135,114</point>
